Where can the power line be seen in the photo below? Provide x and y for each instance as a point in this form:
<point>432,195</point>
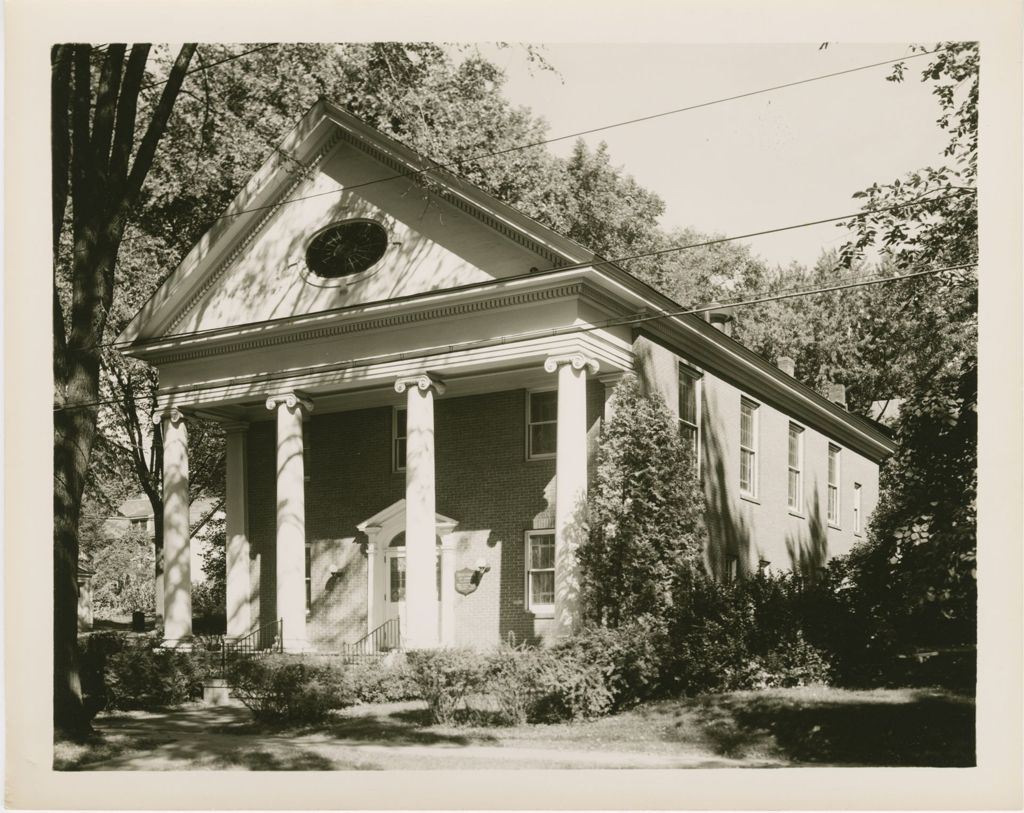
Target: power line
<point>920,200</point>
<point>231,58</point>
<point>451,166</point>
<point>636,318</point>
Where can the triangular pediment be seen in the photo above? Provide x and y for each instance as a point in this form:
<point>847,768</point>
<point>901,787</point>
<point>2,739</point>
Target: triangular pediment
<point>441,233</point>
<point>396,512</point>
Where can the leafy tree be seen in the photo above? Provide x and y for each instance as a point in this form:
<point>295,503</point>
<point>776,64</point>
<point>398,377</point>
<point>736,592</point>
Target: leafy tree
<point>210,596</point>
<point>102,152</point>
<point>123,582</point>
<point>646,514</point>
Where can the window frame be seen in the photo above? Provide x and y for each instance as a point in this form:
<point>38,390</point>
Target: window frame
<point>308,573</point>
<point>395,437</point>
<point>697,377</point>
<point>754,450</point>
<point>528,440</point>
<point>539,610</point>
<point>858,508</point>
<point>796,507</point>
<point>833,487</point>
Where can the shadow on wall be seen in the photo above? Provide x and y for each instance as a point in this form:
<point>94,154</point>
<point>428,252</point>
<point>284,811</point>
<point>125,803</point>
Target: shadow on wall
<point>567,580</point>
<point>808,550</point>
<point>728,532</point>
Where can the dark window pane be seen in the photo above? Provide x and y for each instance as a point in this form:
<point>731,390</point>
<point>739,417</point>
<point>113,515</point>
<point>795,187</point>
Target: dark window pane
<point>400,453</point>
<point>543,438</point>
<point>543,406</point>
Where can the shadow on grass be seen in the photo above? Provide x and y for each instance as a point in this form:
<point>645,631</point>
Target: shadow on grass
<point>266,761</point>
<point>910,728</point>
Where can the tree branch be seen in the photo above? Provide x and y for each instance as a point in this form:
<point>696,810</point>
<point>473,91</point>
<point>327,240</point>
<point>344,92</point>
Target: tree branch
<point>127,107</point>
<point>148,145</point>
<point>106,102</point>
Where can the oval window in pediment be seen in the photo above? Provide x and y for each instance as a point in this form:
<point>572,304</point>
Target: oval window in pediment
<point>346,248</point>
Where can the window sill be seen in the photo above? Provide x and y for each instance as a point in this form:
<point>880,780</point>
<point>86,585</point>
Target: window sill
<point>750,498</point>
<point>546,615</point>
<point>540,458</point>
<point>834,527</point>
<point>797,514</point>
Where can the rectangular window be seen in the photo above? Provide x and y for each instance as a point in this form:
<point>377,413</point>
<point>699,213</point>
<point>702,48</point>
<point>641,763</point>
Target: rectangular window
<point>796,467</point>
<point>833,485</point>
<point>398,437</point>
<point>748,448</point>
<point>541,424</point>
<point>540,572</point>
<point>689,410</point>
<point>309,578</point>
<point>732,569</point>
<point>856,509</point>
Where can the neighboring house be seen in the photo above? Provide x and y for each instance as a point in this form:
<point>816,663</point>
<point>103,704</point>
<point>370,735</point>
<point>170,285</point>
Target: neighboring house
<point>412,377</point>
<point>85,577</point>
<point>137,513</point>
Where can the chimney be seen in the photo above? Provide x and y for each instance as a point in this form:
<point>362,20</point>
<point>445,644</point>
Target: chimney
<point>837,394</point>
<point>721,317</point>
<point>787,365</point>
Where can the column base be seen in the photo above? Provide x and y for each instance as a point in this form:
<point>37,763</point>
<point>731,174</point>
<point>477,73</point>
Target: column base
<point>182,644</point>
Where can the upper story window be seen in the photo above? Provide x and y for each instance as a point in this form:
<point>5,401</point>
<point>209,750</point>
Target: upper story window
<point>796,467</point>
<point>748,448</point>
<point>398,438</point>
<point>689,410</point>
<point>541,424</point>
<point>833,485</point>
<point>857,516</point>
<point>140,524</point>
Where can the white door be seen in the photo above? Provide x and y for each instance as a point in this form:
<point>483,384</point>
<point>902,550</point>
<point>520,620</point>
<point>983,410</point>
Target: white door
<point>394,585</point>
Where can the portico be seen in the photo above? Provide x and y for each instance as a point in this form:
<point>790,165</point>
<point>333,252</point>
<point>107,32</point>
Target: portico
<point>410,548</point>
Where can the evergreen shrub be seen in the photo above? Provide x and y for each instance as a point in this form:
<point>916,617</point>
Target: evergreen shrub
<point>444,677</point>
<point>290,691</point>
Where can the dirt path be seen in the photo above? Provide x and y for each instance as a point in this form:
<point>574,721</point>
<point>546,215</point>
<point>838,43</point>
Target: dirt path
<point>223,738</point>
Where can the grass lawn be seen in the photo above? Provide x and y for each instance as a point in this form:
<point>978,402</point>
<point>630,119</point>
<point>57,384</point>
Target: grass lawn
<point>774,728</point>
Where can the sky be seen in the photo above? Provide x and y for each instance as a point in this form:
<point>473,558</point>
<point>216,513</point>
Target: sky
<point>770,160</point>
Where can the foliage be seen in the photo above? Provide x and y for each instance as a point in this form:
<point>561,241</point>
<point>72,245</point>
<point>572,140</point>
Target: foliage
<point>379,683</point>
<point>209,597</point>
<point>124,575</point>
<point>290,691</point>
<point>142,677</point>
<point>645,514</point>
<point>444,677</point>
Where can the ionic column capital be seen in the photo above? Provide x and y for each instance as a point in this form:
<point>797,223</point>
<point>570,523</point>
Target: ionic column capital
<point>172,414</point>
<point>290,400</point>
<point>424,382</point>
<point>577,360</point>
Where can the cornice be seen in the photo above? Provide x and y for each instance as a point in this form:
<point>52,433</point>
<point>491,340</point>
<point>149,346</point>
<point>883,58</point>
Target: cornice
<point>287,335</point>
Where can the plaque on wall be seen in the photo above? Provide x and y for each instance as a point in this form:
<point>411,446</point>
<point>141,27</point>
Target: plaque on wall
<point>466,580</point>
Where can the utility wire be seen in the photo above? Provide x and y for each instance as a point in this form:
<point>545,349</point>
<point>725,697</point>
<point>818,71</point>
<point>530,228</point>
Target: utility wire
<point>451,166</point>
<point>231,58</point>
<point>653,253</point>
<point>636,318</point>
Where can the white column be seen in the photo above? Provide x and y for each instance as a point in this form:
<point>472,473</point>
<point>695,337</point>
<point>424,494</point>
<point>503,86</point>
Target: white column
<point>570,482</point>
<point>177,556</point>
<point>447,596</point>
<point>420,517</point>
<point>239,591</point>
<point>291,518</point>
<point>373,620</point>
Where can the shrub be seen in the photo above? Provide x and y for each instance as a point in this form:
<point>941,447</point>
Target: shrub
<point>513,679</point>
<point>444,677</point>
<point>288,690</point>
<point>376,683</point>
<point>139,677</point>
<point>570,687</point>
<point>630,656</point>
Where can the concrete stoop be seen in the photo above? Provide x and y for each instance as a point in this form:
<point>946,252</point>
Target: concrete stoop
<point>217,692</point>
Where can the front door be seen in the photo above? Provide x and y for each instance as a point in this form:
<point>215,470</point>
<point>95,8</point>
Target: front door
<point>394,582</point>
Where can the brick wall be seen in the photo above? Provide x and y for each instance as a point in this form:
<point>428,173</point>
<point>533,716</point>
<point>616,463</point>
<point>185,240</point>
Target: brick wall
<point>763,528</point>
<point>483,480</point>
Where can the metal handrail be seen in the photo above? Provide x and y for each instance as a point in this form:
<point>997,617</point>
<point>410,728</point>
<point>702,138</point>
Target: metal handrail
<point>268,638</point>
<point>384,638</point>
